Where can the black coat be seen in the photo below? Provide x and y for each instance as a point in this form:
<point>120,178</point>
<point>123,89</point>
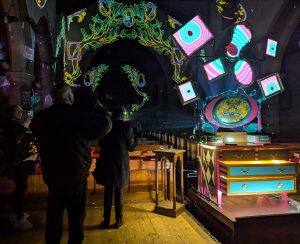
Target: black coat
<point>15,143</point>
<point>63,135</point>
<point>112,168</point>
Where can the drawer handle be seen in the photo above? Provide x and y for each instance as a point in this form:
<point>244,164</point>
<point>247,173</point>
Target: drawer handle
<point>244,187</point>
<point>240,155</point>
<point>281,170</point>
<point>275,155</point>
<point>280,185</point>
<point>245,171</point>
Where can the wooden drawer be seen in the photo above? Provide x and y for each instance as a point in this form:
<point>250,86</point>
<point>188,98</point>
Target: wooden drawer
<point>237,155</point>
<point>257,170</point>
<point>277,154</point>
<point>254,186</point>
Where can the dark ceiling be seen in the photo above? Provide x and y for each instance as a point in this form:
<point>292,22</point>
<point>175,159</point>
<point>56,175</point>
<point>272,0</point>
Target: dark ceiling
<point>183,10</point>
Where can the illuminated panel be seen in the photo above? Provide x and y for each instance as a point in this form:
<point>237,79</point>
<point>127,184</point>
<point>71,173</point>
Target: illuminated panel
<point>214,69</point>
<point>193,35</point>
<point>271,48</point>
<point>186,92</point>
<point>271,85</point>
<point>240,38</point>
<point>243,73</point>
<point>231,111</point>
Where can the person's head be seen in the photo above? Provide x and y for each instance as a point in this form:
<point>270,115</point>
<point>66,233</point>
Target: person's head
<point>15,112</point>
<point>62,93</point>
<point>119,113</point>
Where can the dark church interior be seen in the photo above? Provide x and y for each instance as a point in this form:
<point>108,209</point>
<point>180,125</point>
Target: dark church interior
<point>188,109</point>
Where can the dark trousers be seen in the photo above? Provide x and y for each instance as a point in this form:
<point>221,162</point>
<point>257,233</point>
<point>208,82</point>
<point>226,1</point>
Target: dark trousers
<point>108,195</point>
<point>72,196</point>
<point>20,175</point>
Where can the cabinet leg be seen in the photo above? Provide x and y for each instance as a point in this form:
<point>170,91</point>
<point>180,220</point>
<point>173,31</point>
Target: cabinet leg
<point>284,196</point>
<point>219,200</point>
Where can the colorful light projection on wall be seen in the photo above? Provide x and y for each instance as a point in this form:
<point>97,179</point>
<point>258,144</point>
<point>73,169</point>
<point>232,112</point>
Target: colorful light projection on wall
<point>193,35</point>
<point>240,38</point>
<point>231,10</point>
<point>80,17</point>
<point>94,76</point>
<point>61,42</point>
<point>129,17</point>
<point>110,25</point>
<point>243,73</point>
<point>187,92</point>
<point>137,81</point>
<point>271,49</point>
<point>28,53</point>
<point>173,22</point>
<point>271,85</point>
<point>41,3</point>
<point>214,69</point>
<point>4,82</point>
<point>176,56</point>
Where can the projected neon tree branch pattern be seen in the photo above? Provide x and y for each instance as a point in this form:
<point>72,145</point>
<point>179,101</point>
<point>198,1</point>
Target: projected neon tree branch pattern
<point>95,76</point>
<point>137,81</point>
<point>116,21</point>
<point>61,40</point>
<point>80,17</point>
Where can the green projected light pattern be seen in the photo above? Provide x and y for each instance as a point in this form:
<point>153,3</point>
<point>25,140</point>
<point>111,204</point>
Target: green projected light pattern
<point>95,76</point>
<point>116,21</point>
<point>137,81</point>
<point>61,40</point>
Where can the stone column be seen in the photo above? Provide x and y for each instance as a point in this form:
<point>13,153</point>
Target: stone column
<point>20,70</point>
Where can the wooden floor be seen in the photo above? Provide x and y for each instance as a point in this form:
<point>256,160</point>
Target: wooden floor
<point>141,225</point>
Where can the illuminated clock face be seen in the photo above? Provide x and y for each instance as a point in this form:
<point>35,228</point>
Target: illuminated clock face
<point>231,110</point>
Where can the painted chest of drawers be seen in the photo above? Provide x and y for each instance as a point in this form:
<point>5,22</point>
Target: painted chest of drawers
<point>246,170</point>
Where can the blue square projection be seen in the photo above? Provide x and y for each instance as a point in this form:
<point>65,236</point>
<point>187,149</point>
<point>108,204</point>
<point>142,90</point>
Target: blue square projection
<point>186,92</point>
<point>271,48</point>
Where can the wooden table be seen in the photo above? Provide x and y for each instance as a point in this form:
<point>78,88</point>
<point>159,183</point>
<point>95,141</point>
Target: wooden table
<point>169,159</point>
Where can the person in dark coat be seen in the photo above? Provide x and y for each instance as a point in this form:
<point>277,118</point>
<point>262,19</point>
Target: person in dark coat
<point>112,168</point>
<point>16,144</point>
<point>63,134</point>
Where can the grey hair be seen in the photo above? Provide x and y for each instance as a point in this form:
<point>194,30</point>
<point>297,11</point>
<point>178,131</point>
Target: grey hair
<point>60,92</point>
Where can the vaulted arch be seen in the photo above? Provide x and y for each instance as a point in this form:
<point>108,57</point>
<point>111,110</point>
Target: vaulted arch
<point>109,21</point>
